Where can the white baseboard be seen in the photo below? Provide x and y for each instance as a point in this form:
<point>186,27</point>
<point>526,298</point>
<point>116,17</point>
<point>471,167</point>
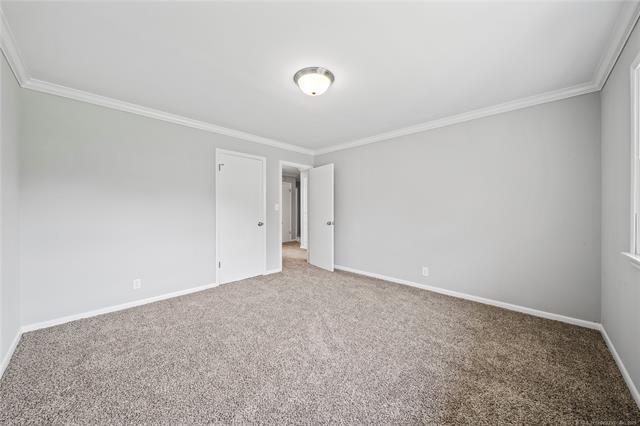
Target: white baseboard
<point>509,306</point>
<point>517,308</point>
<point>625,374</point>
<point>62,320</point>
<point>9,354</point>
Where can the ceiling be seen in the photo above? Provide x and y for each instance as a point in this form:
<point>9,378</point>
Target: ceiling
<point>290,171</point>
<point>396,64</point>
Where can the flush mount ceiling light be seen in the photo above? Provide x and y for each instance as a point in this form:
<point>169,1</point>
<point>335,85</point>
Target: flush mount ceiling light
<point>313,81</point>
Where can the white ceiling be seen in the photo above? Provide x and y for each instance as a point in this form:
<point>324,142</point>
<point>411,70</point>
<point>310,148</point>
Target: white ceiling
<point>396,64</point>
<point>290,171</point>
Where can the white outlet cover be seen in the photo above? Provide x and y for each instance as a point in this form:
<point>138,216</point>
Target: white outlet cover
<point>277,207</point>
<point>137,283</point>
<point>425,271</point>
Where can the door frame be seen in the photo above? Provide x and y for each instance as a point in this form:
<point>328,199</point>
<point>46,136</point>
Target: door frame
<point>300,167</point>
<point>264,203</point>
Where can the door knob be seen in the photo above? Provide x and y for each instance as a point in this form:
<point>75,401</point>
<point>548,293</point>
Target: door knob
<point>330,222</point>
<point>260,223</point>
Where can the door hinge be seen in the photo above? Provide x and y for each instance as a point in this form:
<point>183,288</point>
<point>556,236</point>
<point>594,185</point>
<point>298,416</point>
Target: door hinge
<point>219,265</point>
<point>220,166</point>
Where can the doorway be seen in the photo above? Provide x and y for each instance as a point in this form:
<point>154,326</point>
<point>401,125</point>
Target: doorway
<point>306,214</point>
<point>293,211</point>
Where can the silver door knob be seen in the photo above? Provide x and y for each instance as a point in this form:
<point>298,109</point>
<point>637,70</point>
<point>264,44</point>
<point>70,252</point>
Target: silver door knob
<point>260,223</point>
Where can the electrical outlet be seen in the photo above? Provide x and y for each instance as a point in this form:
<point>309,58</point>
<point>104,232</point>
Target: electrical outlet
<point>137,283</point>
<point>425,271</point>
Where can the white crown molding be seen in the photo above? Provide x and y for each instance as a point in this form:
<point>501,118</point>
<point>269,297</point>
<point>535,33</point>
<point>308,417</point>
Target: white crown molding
<point>466,116</point>
<point>11,52</point>
<point>79,95</point>
<point>625,23</point>
<point>10,49</point>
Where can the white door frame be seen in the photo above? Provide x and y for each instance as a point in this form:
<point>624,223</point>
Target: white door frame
<point>264,204</point>
<point>300,167</point>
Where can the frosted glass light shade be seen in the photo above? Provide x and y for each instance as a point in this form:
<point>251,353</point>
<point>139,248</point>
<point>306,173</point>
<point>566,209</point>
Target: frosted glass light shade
<point>313,81</point>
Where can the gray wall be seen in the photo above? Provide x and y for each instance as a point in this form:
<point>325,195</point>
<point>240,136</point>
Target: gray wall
<point>620,280</point>
<point>9,209</point>
<point>107,197</point>
<point>505,207</point>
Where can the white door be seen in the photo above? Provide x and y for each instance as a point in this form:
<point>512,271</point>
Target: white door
<point>240,216</point>
<point>287,196</point>
<point>321,216</point>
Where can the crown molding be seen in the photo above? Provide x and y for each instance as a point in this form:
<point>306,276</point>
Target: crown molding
<point>10,50</point>
<point>466,116</point>
<point>625,23</point>
<point>92,98</point>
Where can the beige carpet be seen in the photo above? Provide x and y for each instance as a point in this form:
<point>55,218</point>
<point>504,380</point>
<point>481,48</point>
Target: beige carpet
<point>310,346</point>
<point>292,250</point>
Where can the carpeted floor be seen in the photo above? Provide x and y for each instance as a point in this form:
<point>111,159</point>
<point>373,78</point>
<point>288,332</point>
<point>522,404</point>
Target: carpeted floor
<point>292,250</point>
<point>310,346</point>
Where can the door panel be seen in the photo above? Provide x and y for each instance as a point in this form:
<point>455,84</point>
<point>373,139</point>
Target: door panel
<point>240,223</point>
<point>321,224</point>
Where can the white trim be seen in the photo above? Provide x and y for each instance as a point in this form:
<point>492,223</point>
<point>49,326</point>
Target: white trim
<point>79,95</point>
<point>622,31</point>
<point>273,271</point>
<point>9,354</point>
<point>115,308</point>
<point>12,53</point>
<point>625,374</point>
<point>625,23</point>
<point>300,167</point>
<point>10,49</point>
<point>634,214</point>
<point>264,205</point>
<point>624,26</point>
<point>459,295</point>
<point>634,259</point>
<point>596,326</point>
<point>467,116</point>
<point>516,308</point>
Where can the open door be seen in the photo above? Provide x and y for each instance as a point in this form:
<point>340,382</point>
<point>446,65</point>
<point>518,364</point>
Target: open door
<point>321,216</point>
